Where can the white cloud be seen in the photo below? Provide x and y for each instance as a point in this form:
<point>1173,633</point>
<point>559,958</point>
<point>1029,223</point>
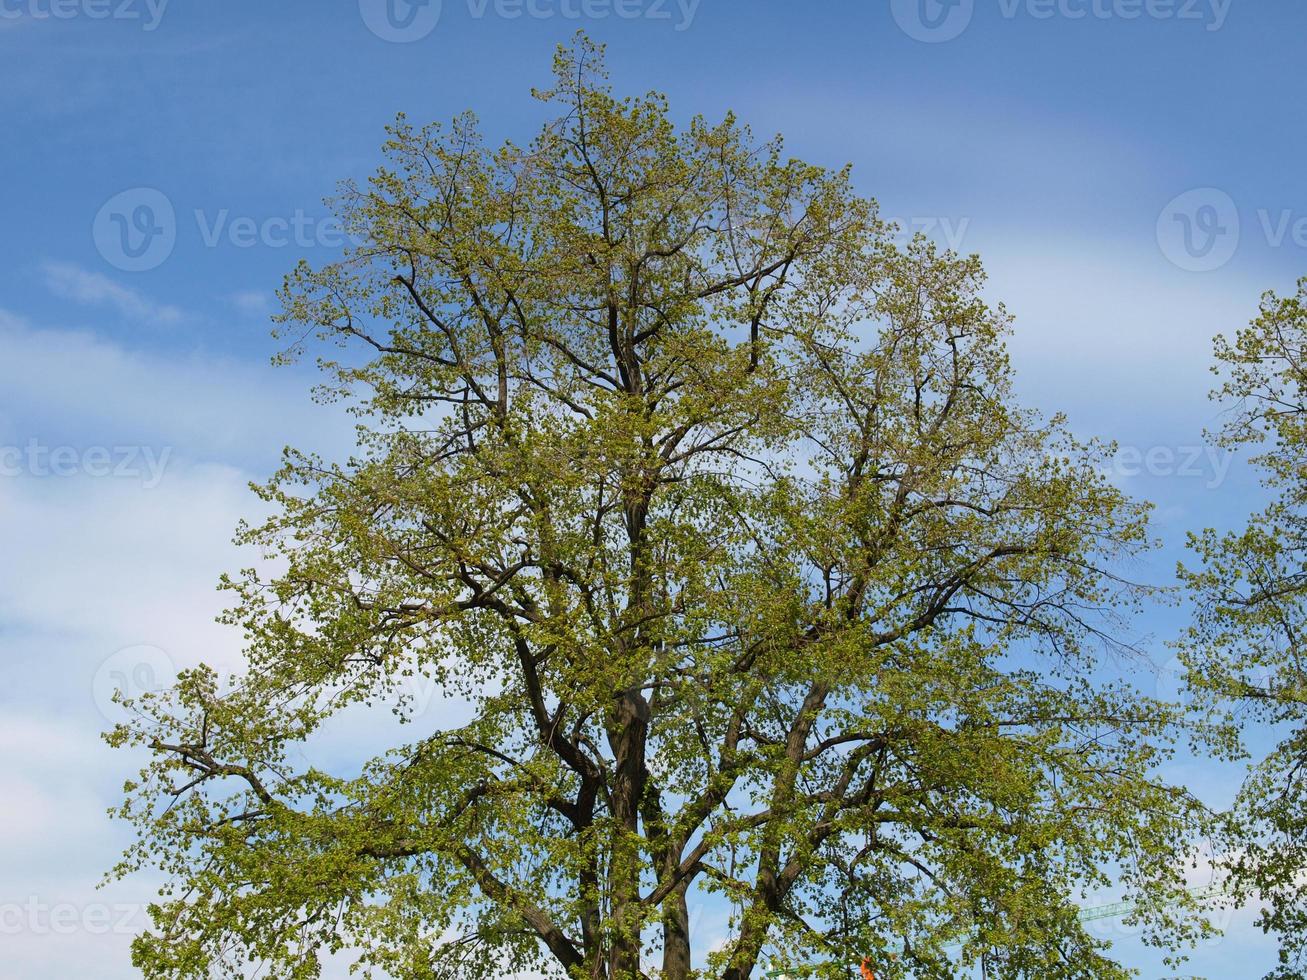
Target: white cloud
<point>94,567</point>
<point>110,558</point>
<point>252,303</point>
<point>1116,336</point>
<point>88,288</point>
<point>94,564</point>
<point>70,384</point>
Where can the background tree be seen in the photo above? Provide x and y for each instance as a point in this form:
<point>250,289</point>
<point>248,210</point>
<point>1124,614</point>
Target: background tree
<point>717,508</point>
<point>1245,652</point>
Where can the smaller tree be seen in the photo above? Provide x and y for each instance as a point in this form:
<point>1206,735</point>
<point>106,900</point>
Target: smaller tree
<point>1245,651</point>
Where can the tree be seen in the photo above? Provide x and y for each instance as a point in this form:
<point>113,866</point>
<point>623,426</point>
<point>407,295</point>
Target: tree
<point>1245,651</point>
<point>717,507</point>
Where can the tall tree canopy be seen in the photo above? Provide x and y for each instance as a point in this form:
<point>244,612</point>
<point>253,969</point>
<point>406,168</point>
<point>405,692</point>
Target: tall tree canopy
<point>716,506</point>
<point>1247,652</point>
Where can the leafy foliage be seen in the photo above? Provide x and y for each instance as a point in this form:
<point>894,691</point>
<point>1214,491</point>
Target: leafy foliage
<point>717,508</point>
<point>1245,651</point>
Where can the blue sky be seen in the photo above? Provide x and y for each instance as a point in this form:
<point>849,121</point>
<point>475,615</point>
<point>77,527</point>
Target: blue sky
<point>1130,170</point>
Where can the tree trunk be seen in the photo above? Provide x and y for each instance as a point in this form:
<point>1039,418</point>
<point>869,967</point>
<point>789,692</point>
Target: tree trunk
<point>676,937</point>
<point>628,739</point>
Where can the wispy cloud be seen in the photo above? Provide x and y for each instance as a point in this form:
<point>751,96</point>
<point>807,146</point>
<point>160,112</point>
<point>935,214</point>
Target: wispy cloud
<point>252,303</point>
<point>72,386</point>
<point>72,282</point>
<point>103,568</point>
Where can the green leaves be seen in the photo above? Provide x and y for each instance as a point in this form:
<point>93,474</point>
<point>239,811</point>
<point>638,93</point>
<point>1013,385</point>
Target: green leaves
<point>716,508</point>
<point>1244,649</point>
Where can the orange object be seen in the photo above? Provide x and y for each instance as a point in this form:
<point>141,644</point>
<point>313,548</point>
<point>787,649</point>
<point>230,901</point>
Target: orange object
<point>866,971</point>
